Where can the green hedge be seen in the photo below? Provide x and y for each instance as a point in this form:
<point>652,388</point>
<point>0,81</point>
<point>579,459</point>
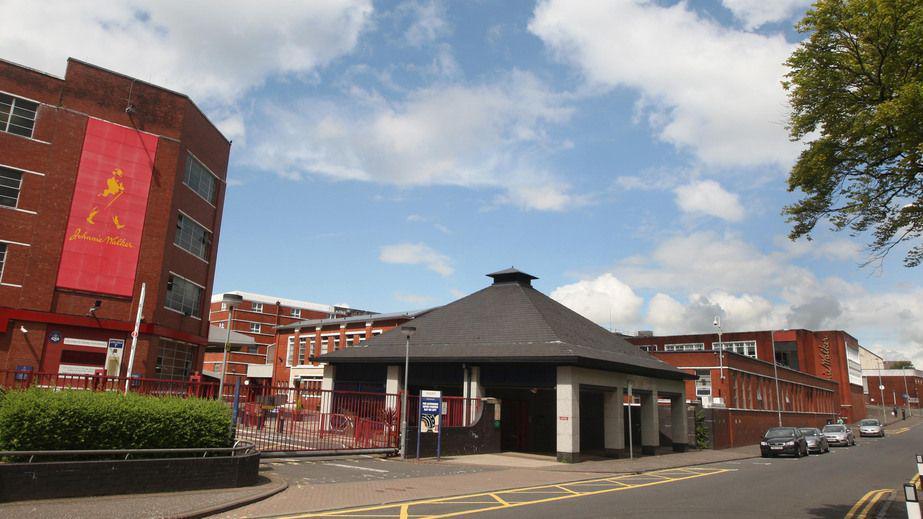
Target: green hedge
<point>39,419</point>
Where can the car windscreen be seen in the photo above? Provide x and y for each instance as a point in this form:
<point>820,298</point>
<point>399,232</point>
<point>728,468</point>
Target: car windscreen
<point>780,433</point>
<point>868,422</point>
<point>834,428</point>
<point>810,432</point>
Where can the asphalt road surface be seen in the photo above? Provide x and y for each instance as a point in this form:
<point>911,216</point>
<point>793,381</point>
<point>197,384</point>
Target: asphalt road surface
<point>852,482</point>
<point>822,486</point>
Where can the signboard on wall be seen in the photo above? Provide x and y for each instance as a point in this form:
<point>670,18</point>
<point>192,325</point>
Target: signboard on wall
<point>114,357</point>
<point>103,237</point>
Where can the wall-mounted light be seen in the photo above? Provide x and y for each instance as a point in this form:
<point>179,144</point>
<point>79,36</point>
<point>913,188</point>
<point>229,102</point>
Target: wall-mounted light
<point>94,308</point>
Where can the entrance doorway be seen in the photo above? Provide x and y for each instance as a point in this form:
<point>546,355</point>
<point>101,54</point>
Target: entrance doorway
<point>526,419</point>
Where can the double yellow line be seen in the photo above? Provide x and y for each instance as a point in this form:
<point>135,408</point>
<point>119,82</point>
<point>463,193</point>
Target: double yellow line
<point>861,509</point>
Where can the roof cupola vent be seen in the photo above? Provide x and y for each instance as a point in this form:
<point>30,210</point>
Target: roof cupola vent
<point>512,275</point>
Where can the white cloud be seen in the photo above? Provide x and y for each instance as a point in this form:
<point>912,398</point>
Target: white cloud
<point>754,13</point>
<point>428,22</point>
<point>695,277</point>
<point>604,300</point>
<point>488,136</point>
<point>709,198</point>
<point>212,50</point>
<point>703,87</point>
<point>417,254</point>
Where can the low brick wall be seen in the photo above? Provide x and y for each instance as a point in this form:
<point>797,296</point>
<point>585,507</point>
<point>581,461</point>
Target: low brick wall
<point>57,479</point>
<point>736,428</point>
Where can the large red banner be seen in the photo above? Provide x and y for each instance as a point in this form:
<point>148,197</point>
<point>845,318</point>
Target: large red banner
<point>107,213</point>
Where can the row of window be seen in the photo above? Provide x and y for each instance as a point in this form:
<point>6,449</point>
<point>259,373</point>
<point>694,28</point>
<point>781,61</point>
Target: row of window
<point>747,348</point>
<point>328,343</point>
<point>10,185</point>
<point>258,307</point>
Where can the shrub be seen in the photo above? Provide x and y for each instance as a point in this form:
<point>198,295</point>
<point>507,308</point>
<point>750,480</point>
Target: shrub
<point>40,419</point>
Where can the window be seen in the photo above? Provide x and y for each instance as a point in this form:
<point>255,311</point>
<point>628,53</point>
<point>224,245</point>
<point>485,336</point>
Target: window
<point>200,179</point>
<point>192,237</point>
<point>689,346</point>
<point>2,259</point>
<point>184,296</point>
<point>325,345</point>
<point>255,328</point>
<point>291,351</point>
<point>302,346</point>
<point>220,325</point>
<point>257,307</point>
<point>224,307</point>
<point>17,115</point>
<point>174,360</point>
<point>648,347</point>
<point>703,382</point>
<point>747,348</point>
<point>296,312</point>
<point>10,184</point>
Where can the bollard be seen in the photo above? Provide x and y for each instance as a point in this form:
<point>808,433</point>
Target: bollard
<point>913,503</point>
<point>920,465</point>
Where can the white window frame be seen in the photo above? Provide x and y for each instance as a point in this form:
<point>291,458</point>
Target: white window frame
<point>291,351</point>
<point>256,328</point>
<point>191,155</point>
<point>257,307</point>
<point>296,312</point>
<point>6,127</point>
<point>739,347</point>
<point>685,346</point>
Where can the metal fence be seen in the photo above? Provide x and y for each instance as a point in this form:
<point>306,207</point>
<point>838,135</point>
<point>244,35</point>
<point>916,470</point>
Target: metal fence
<point>279,418</point>
<point>12,379</point>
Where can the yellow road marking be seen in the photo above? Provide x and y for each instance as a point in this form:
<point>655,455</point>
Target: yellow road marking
<point>902,430</point>
<point>862,507</point>
<point>499,499</point>
<point>612,484</point>
<point>915,480</point>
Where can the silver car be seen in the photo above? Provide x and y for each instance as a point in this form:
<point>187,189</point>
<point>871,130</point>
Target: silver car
<point>871,427</point>
<point>816,440</point>
<point>838,434</point>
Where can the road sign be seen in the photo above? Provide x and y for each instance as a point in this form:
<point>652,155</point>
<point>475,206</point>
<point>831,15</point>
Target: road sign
<point>882,387</point>
<point>134,334</point>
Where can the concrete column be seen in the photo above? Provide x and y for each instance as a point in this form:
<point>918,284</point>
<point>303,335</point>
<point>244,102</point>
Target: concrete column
<point>679,422</point>
<point>326,395</point>
<point>568,415</point>
<point>392,386</point>
<point>614,423</point>
<point>650,423</point>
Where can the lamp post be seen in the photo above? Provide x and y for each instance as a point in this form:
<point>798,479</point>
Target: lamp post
<point>906,391</point>
<point>229,300</point>
<point>408,331</point>
<point>775,372</point>
<point>717,324</point>
<point>881,390</point>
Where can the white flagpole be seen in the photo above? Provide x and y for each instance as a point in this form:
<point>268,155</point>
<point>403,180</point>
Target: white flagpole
<point>134,339</point>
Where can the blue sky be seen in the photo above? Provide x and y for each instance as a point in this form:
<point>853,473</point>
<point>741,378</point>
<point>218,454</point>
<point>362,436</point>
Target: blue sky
<point>387,155</point>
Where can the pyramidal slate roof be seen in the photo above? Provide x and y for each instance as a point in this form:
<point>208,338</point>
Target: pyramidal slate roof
<point>508,322</point>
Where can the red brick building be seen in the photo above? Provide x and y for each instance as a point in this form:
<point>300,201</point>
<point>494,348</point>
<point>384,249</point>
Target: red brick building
<point>299,344</point>
<point>258,316</point>
<point>897,383</point>
<point>106,182</point>
<point>829,355</point>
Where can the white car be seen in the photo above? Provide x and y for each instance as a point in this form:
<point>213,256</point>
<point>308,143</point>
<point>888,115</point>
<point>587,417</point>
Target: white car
<point>871,427</point>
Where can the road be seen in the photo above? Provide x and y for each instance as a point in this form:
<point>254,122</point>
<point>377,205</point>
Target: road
<point>852,482</point>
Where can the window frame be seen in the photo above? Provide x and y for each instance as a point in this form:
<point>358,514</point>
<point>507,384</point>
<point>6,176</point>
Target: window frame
<point>18,188</point>
<point>4,253</point>
<point>5,125</point>
<point>190,157</point>
<point>196,308</point>
<point>207,236</point>
<point>256,307</point>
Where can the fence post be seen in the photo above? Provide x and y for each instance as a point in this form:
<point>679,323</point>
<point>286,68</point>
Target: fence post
<point>236,406</point>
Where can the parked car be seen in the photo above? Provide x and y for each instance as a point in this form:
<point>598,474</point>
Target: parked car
<point>816,440</point>
<point>783,440</point>
<point>871,427</point>
<point>838,434</point>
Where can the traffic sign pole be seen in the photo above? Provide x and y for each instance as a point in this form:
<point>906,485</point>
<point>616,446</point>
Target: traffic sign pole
<point>134,339</point>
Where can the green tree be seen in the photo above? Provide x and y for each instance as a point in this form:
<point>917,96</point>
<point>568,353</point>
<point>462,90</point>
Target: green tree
<point>901,364</point>
<point>856,90</point>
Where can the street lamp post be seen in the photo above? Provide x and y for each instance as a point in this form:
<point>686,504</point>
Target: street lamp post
<point>717,324</point>
<point>906,390</point>
<point>229,300</point>
<point>775,371</point>
<point>408,331</point>
<point>881,391</point>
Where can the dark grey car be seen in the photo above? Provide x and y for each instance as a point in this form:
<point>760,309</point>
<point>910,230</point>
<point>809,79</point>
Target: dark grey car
<point>783,440</point>
<point>816,440</point>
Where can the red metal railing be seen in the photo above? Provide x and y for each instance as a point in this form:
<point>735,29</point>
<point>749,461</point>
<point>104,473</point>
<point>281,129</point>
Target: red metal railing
<point>12,379</point>
<point>310,419</point>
